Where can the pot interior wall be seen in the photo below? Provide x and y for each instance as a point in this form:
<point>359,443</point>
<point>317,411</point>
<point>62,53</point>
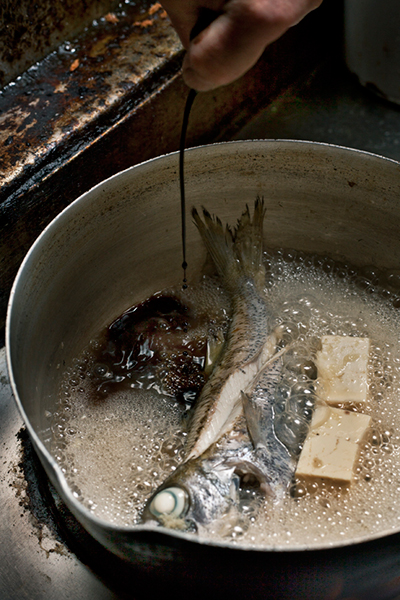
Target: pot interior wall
<point>121,241</point>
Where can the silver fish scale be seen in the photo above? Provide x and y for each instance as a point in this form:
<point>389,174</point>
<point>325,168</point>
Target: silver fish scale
<point>213,496</point>
<point>215,483</point>
<point>237,257</point>
<point>247,335</point>
<point>258,314</point>
<point>232,450</point>
<point>276,456</point>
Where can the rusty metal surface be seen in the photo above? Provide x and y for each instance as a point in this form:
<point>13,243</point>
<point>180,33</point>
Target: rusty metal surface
<point>80,83</point>
<point>114,97</point>
<point>30,30</point>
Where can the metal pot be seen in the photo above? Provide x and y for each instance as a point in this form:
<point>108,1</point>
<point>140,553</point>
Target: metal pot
<point>120,242</point>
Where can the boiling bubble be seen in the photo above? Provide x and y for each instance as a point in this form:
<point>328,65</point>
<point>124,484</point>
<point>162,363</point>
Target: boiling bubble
<point>113,458</point>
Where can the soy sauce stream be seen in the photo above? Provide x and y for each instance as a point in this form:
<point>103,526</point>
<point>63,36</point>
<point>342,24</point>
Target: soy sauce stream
<point>191,96</point>
<point>205,17</point>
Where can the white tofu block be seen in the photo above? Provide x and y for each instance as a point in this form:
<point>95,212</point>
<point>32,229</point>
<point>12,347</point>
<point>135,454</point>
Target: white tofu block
<point>331,447</point>
<point>336,422</point>
<point>328,457</point>
<point>342,365</point>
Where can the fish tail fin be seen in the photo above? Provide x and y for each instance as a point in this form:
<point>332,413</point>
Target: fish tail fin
<point>248,237</point>
<point>235,253</point>
<point>219,242</point>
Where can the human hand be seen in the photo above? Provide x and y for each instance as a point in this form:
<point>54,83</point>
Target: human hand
<point>235,40</point>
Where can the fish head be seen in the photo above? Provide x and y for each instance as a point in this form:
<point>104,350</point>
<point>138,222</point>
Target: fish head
<point>195,498</point>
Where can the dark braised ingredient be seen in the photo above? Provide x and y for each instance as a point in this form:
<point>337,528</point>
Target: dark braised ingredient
<point>184,377</point>
<point>154,344</point>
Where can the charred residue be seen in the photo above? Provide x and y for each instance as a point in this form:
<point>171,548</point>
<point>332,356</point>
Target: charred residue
<point>58,532</point>
<point>55,527</point>
<point>58,108</point>
<point>32,493</point>
<point>30,30</point>
<point>84,82</point>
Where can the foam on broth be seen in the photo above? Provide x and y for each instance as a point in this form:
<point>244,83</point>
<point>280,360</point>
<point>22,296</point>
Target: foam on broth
<point>116,452</point>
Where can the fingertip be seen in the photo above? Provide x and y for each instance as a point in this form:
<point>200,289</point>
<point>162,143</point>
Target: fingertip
<point>201,69</point>
<point>220,54</point>
<point>195,81</point>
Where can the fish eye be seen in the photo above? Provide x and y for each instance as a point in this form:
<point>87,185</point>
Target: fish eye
<point>169,502</point>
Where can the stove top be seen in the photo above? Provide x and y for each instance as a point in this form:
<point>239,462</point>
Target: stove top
<point>41,540</point>
<point>45,554</point>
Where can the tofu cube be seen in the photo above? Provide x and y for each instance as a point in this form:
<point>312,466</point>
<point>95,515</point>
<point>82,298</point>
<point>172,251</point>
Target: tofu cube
<point>331,447</point>
<point>327,457</point>
<point>342,365</point>
<point>339,423</point>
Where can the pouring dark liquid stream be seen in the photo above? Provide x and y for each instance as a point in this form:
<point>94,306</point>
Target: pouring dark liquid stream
<point>191,96</point>
<point>206,16</point>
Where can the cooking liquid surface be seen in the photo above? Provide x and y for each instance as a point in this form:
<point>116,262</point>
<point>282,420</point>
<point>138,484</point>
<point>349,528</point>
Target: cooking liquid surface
<point>115,449</point>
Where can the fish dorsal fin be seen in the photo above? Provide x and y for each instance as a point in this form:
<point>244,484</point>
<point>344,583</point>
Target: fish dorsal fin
<point>219,243</point>
<point>254,418</point>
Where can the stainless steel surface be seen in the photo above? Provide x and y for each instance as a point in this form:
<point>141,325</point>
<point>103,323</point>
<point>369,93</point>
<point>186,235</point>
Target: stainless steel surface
<point>112,98</point>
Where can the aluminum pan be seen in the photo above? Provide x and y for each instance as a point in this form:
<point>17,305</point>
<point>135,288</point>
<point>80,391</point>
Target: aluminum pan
<point>345,200</point>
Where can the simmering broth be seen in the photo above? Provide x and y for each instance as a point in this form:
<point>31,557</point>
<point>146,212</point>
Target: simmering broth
<point>116,449</point>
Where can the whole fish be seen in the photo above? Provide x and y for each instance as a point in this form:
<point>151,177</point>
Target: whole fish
<point>232,438</point>
<point>223,488</point>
